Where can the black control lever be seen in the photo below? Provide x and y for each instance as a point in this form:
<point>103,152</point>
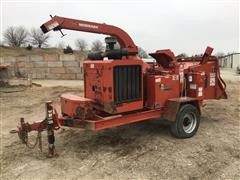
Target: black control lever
<point>62,33</point>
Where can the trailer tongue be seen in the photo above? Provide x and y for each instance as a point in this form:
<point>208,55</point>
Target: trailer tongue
<point>120,88</point>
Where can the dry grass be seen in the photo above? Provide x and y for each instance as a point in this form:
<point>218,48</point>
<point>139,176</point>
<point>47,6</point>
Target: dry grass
<point>9,51</point>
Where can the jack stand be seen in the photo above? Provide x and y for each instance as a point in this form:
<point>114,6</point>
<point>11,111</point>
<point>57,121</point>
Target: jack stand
<point>50,129</point>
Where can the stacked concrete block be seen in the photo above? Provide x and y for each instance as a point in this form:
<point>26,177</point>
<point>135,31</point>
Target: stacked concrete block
<point>4,71</point>
<point>10,61</point>
<point>71,76</point>
<point>67,57</point>
<point>1,60</point>
<point>73,69</point>
<point>48,66</point>
<point>22,66</point>
<point>56,70</point>
<point>79,76</point>
<point>70,63</point>
<point>51,57</point>
<point>39,70</point>
<point>55,64</point>
<point>33,58</point>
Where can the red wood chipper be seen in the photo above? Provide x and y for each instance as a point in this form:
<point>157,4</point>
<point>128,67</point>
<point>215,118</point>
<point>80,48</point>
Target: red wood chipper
<point>120,88</point>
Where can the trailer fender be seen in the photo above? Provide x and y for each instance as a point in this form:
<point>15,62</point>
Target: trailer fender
<point>173,106</point>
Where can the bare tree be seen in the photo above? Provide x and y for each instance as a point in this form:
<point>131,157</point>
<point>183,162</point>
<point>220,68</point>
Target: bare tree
<point>38,38</point>
<point>97,45</point>
<point>142,53</point>
<point>15,36</point>
<point>81,44</point>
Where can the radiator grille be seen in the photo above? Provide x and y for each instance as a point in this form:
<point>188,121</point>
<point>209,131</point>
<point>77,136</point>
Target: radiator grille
<point>127,83</point>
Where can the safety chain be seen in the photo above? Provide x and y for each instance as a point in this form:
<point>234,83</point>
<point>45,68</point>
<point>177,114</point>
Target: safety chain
<point>32,146</point>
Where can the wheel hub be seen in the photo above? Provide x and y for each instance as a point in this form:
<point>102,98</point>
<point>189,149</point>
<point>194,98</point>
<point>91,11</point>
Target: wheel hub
<point>189,122</point>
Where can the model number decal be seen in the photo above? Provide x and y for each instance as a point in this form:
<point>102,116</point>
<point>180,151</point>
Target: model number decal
<point>88,25</point>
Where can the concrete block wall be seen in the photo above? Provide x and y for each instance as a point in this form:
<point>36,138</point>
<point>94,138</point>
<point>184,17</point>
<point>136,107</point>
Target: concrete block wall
<point>47,66</point>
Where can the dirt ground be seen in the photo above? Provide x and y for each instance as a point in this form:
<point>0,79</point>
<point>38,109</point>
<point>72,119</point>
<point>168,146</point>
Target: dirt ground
<point>144,150</point>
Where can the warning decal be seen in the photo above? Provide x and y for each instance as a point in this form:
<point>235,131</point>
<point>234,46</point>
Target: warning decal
<point>212,79</point>
<point>200,91</point>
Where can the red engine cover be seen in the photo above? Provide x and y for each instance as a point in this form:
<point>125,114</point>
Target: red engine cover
<point>100,84</point>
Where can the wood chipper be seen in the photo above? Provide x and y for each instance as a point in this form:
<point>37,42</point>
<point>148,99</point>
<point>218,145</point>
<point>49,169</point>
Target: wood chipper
<point>120,88</point>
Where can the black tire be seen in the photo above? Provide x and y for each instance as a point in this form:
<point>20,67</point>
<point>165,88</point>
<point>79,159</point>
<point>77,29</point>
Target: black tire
<point>187,122</point>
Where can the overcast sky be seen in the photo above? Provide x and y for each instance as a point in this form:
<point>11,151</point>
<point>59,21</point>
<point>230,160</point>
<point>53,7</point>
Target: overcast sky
<point>183,26</point>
